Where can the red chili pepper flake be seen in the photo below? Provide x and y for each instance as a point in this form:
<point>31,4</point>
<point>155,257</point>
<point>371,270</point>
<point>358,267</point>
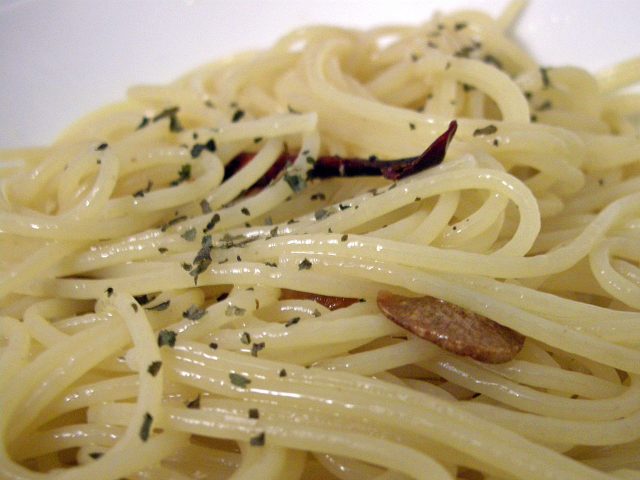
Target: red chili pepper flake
<point>332,303</point>
<point>451,327</point>
<point>335,166</point>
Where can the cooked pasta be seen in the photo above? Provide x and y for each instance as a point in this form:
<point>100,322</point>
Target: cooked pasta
<point>183,297</point>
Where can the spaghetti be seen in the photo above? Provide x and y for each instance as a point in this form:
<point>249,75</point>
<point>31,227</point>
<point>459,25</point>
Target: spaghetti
<point>174,306</point>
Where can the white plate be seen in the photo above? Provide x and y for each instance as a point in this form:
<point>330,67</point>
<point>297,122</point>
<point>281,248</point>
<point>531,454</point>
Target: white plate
<point>60,59</point>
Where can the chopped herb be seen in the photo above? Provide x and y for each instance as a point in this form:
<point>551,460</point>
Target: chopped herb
<point>147,189</point>
<point>195,403</point>
<point>204,206</point>
<point>271,264</point>
<point>189,235</point>
<point>465,52</point>
<point>528,95</point>
<point>432,44</point>
<point>447,66</point>
<point>142,299</point>
<point>318,196</point>
<point>198,148</point>
<point>184,174</point>
<point>245,338</point>
<point>154,368</point>
<point>495,142</point>
<point>213,345</point>
<point>414,57</point>
<point>254,413</point>
<point>544,74</point>
<point>102,147</point>
<point>160,307</point>
<point>234,311</point>
<point>245,211</point>
<point>412,126</point>
<point>256,347</point>
<point>491,60</point>
<point>467,88</point>
<point>173,222</point>
<point>459,26</point>
<point>258,440</point>
<point>96,455</point>
<point>209,104</point>
<point>257,140</point>
<point>163,249</point>
<point>167,337</point>
<point>273,232</point>
<point>212,223</point>
<point>545,106</point>
<point>145,429</point>
<point>321,214</point>
<point>134,307</point>
<point>343,207</point>
<point>344,238</point>
<point>534,118</point>
<point>203,258</point>
<point>239,380</point>
<point>237,116</point>
<point>145,121</point>
<point>293,321</point>
<point>99,162</point>
<point>488,130</point>
<point>601,181</point>
<point>109,291</point>
<point>282,373</point>
<point>172,114</point>
<point>296,182</point>
<point>194,313</point>
<point>305,265</point>
<point>292,110</point>
<point>316,313</point>
<point>417,199</point>
<point>310,160</point>
<point>268,221</point>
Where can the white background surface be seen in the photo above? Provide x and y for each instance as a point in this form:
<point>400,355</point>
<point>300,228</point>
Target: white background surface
<point>60,59</point>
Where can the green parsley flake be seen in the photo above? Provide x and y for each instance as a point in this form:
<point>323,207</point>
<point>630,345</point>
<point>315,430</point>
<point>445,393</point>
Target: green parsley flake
<point>184,174</point>
<point>239,380</point>
<point>154,368</point>
<point>194,313</point>
<point>234,311</point>
<point>305,264</point>
<point>167,337</point>
<point>488,130</point>
<point>189,235</point>
<point>160,307</point>
<point>195,403</point>
<point>296,182</point>
<point>145,429</point>
<point>258,440</point>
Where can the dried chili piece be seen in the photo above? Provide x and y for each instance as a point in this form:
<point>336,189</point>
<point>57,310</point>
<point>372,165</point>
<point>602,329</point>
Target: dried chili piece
<point>335,166</point>
<point>451,327</point>
<point>332,303</point>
